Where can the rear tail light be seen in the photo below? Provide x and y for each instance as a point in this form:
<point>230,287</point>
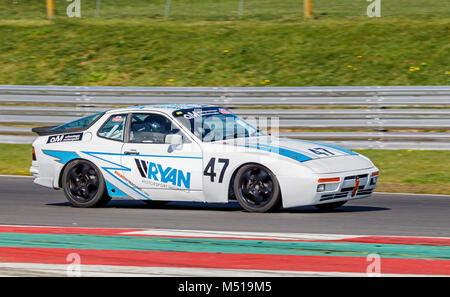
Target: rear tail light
<point>33,153</point>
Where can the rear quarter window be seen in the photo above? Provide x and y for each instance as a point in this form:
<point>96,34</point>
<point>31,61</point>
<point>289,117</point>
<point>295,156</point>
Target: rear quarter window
<point>113,128</point>
<point>79,124</point>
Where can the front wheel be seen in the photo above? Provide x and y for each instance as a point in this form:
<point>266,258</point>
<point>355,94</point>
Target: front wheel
<point>256,188</point>
<point>83,184</point>
<point>330,206</point>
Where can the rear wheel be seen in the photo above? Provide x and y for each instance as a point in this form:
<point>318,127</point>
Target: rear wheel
<point>256,188</point>
<point>83,184</point>
<point>330,206</point>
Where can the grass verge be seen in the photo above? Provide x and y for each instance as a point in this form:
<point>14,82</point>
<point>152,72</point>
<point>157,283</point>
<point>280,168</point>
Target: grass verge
<point>402,171</point>
<point>206,44</point>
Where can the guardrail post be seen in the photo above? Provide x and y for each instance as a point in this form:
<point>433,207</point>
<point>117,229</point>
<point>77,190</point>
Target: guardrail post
<point>50,9</point>
<point>307,8</point>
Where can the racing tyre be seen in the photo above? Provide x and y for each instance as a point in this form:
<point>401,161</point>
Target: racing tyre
<point>83,184</point>
<point>256,189</point>
<point>330,206</point>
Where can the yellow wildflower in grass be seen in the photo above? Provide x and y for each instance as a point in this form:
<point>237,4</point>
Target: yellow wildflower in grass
<point>225,51</point>
<point>267,80</point>
<point>349,66</point>
<point>171,79</point>
<point>447,72</point>
<point>359,57</point>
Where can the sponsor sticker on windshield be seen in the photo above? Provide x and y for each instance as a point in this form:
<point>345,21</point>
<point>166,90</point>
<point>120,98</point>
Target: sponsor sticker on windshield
<point>201,112</point>
<point>117,119</point>
<point>225,111</point>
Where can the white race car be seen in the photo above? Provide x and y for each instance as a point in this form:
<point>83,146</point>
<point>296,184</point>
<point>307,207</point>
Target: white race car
<point>203,153</point>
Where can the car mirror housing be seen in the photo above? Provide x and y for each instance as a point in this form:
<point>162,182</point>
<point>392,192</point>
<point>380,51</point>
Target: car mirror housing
<point>175,141</point>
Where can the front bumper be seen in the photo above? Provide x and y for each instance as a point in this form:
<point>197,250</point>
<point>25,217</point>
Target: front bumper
<point>351,185</point>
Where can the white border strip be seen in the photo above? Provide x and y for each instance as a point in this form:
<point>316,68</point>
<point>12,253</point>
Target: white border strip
<point>412,194</point>
<point>247,235</point>
<point>16,176</point>
<point>230,234</point>
<point>36,269</point>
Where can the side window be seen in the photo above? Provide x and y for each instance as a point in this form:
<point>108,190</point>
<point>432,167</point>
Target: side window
<point>151,128</point>
<point>113,127</point>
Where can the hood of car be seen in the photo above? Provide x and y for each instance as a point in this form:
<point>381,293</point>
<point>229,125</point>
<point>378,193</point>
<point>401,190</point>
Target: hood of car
<point>300,150</point>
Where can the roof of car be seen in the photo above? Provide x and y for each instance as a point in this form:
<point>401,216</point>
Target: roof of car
<point>161,107</point>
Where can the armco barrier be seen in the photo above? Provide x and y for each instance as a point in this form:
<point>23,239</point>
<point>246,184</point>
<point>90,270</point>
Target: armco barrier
<point>355,117</point>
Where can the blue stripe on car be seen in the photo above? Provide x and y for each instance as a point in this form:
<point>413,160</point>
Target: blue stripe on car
<point>114,191</point>
<point>281,151</point>
<point>330,146</point>
<point>63,156</point>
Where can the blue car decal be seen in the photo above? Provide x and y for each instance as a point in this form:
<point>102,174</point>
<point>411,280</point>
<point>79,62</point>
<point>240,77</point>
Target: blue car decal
<point>282,151</point>
<point>62,156</point>
<point>330,146</point>
<point>65,156</point>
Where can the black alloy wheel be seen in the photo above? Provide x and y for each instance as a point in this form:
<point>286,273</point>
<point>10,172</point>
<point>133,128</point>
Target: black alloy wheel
<point>84,185</point>
<point>256,188</point>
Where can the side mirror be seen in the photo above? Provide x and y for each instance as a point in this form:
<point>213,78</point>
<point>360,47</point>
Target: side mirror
<point>174,139</point>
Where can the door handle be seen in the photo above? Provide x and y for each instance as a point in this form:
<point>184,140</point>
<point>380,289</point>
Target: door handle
<point>131,153</point>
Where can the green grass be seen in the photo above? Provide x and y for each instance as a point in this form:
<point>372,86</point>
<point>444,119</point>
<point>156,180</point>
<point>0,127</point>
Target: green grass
<point>408,171</point>
<point>15,159</point>
<point>220,10</point>
<point>400,170</point>
<point>204,43</point>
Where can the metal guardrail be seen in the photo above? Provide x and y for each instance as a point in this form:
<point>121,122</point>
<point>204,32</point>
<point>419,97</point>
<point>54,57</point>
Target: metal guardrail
<point>360,117</point>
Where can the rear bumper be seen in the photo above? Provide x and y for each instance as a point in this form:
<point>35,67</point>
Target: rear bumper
<point>43,181</point>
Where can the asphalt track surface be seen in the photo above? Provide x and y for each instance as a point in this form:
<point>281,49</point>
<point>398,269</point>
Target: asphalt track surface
<point>24,203</point>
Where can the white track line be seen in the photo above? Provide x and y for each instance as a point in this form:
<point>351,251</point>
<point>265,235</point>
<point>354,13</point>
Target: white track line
<point>34,269</point>
<point>16,176</point>
<point>228,234</point>
<point>412,194</point>
<point>231,234</point>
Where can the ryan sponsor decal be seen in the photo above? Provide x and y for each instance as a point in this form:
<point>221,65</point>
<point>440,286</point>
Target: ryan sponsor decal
<point>165,175</point>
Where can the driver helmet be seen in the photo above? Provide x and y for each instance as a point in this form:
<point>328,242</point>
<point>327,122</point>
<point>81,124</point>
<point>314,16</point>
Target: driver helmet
<point>155,124</point>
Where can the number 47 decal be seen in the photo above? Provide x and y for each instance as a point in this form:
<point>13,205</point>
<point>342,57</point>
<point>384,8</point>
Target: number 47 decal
<point>321,151</point>
<point>209,169</point>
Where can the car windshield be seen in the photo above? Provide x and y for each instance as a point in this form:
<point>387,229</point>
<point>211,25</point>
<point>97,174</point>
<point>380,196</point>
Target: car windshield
<point>215,123</point>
